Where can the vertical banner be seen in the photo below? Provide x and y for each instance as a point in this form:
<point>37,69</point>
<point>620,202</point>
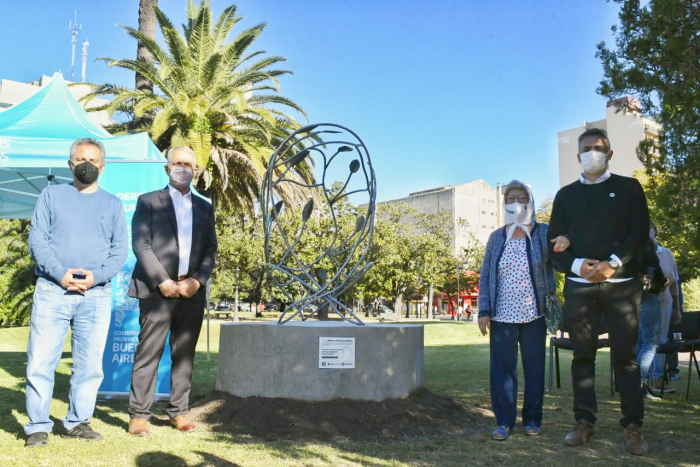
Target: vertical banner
<point>127,180</point>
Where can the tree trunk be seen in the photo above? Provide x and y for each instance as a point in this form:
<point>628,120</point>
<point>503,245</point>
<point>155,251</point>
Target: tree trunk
<point>430,302</point>
<point>322,312</point>
<point>147,27</point>
<point>256,292</point>
<point>398,304</point>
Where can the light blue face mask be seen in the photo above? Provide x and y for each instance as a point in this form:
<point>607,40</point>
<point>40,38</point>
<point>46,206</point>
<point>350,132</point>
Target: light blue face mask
<point>180,177</point>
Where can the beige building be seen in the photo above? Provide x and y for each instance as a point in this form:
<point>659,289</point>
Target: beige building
<point>14,92</point>
<point>626,128</point>
<point>476,202</point>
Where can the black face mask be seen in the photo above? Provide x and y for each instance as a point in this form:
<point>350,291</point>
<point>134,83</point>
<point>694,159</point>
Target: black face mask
<point>86,173</point>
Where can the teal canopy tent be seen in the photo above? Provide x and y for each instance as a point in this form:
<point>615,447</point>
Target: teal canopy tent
<point>35,139</point>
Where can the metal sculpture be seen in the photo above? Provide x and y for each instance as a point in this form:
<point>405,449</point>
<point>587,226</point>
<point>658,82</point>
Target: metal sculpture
<point>343,261</point>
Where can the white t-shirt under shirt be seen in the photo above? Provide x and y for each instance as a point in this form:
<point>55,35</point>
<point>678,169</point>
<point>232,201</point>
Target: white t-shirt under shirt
<point>516,296</point>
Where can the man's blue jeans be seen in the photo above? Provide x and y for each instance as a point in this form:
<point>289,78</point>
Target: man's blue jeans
<point>650,321</point>
<point>55,310</point>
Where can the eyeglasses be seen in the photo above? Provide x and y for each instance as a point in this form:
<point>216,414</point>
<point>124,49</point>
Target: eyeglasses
<point>521,199</point>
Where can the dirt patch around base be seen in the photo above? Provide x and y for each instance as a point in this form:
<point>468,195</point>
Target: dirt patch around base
<point>421,415</point>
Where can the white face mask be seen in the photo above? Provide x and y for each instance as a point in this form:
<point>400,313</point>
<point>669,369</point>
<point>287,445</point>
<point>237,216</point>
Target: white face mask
<point>593,161</point>
<point>519,215</point>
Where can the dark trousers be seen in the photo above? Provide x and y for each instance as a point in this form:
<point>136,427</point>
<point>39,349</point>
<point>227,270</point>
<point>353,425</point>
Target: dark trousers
<point>504,340</point>
<point>672,362</point>
<point>181,317</point>
<point>619,303</point>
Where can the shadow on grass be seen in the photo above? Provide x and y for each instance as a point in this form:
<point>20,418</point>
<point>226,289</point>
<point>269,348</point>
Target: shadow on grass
<point>159,458</point>
<point>15,364</point>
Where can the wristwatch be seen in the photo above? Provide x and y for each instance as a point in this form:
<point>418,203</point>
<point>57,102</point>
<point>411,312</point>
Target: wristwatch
<point>614,262</point>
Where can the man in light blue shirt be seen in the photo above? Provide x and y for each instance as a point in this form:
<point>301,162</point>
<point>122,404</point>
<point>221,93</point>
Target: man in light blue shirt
<point>78,239</point>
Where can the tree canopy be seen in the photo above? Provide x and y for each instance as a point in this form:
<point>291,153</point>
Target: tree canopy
<point>655,60</point>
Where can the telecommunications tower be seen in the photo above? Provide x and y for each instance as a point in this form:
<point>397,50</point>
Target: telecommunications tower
<point>75,27</point>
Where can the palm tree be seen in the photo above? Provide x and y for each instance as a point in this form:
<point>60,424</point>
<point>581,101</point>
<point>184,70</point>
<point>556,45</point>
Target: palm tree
<point>214,96</point>
<point>147,27</point>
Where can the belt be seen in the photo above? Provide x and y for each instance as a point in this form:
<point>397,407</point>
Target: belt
<point>182,278</point>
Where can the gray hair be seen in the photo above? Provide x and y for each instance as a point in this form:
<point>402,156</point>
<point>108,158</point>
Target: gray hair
<point>602,134</point>
<point>184,148</point>
<point>87,142</point>
<point>516,184</point>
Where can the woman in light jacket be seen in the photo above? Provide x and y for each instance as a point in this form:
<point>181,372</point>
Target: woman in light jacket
<point>512,295</point>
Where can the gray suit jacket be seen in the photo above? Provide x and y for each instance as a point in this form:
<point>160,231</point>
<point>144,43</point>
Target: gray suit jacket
<point>155,244</point>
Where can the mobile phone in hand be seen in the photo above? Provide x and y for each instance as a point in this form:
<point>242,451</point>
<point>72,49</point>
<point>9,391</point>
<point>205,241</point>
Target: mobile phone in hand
<point>79,275</point>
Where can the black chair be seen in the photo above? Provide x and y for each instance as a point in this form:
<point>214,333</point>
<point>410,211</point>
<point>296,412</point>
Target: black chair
<point>561,342</point>
<point>690,333</point>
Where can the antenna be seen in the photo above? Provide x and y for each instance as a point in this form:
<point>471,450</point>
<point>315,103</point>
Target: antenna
<point>85,46</point>
<point>76,27</point>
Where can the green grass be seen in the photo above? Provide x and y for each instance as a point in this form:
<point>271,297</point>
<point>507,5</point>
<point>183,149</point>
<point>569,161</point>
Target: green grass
<point>456,365</point>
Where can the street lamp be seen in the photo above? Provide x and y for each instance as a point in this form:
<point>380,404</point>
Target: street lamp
<point>235,303</point>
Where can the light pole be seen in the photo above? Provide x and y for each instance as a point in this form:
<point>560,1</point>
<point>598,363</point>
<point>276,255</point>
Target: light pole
<point>235,303</point>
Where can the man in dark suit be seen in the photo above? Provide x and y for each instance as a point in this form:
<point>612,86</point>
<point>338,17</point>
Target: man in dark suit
<point>174,240</point>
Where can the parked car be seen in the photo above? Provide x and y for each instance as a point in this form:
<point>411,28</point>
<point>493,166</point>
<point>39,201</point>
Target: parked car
<point>384,312</point>
<point>381,309</point>
<point>273,304</point>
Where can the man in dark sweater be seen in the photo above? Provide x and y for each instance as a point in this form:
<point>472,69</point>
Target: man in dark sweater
<point>607,220</point>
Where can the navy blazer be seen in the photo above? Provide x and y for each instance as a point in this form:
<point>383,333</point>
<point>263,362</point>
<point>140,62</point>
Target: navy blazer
<point>155,244</point>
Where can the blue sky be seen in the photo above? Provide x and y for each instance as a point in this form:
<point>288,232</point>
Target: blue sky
<point>442,92</point>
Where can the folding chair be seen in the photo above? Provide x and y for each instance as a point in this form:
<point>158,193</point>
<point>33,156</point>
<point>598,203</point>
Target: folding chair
<point>690,333</point>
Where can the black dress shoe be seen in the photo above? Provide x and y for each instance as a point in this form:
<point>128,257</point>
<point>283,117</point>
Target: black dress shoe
<point>83,431</point>
<point>40,439</point>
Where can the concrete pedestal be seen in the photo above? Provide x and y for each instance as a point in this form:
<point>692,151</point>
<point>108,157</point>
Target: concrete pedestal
<point>271,360</point>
